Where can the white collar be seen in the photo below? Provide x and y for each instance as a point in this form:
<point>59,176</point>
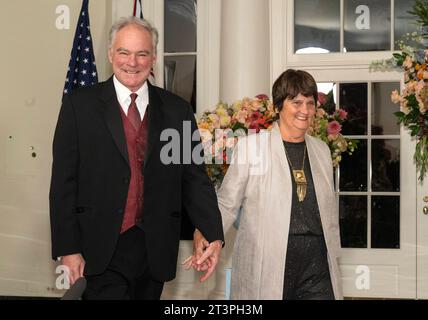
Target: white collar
<point>123,93</point>
<point>124,99</point>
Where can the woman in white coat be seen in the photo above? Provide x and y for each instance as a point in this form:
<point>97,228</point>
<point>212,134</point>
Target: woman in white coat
<point>288,241</point>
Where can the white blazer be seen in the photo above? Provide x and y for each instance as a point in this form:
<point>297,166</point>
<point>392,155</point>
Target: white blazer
<point>259,181</point>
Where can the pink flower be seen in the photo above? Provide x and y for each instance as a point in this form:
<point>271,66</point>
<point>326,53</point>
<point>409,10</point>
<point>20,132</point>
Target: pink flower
<point>253,121</point>
<point>395,96</point>
<point>256,105</point>
<point>255,116</point>
<point>246,103</point>
<point>334,128</point>
<point>262,97</point>
<point>342,114</point>
<point>241,116</point>
<point>411,86</point>
<point>321,113</point>
<point>408,62</point>
<point>322,98</point>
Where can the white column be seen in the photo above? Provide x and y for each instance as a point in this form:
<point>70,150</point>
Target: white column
<point>245,54</point>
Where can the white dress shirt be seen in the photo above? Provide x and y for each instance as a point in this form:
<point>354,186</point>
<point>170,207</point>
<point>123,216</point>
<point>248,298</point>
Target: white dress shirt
<point>124,97</point>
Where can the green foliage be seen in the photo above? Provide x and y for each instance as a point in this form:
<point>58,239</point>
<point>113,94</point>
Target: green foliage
<point>420,10</point>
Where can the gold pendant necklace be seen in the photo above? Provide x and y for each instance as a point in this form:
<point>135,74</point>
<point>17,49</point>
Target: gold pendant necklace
<point>299,176</point>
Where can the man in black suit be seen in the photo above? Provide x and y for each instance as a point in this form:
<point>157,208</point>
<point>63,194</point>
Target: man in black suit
<point>115,199</point>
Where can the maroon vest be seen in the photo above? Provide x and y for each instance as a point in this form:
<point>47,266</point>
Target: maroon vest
<point>136,142</point>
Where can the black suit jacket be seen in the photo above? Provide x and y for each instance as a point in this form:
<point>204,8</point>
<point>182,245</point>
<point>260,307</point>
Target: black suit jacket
<point>91,174</point>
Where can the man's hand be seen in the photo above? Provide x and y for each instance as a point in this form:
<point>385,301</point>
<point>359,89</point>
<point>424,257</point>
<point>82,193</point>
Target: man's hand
<point>205,255</point>
<point>75,264</point>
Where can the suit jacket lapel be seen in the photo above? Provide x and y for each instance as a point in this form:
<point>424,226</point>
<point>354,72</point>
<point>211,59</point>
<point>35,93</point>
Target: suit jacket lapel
<point>155,115</point>
<point>113,118</point>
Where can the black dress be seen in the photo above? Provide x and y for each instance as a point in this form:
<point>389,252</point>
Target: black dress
<point>307,276</point>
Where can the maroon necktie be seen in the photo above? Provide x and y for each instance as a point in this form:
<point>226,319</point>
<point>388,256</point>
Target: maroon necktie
<point>133,113</point>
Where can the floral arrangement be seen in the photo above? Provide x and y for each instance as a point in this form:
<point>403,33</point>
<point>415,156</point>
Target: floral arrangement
<point>413,99</point>
<point>221,127</point>
<point>328,127</point>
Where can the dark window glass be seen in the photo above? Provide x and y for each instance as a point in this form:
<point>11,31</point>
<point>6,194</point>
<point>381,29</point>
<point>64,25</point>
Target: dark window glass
<point>385,222</point>
<point>404,22</point>
<point>353,169</point>
<point>316,25</point>
<point>180,77</point>
<point>383,119</point>
<point>353,221</point>
<point>180,25</point>
<point>385,165</point>
<point>367,25</point>
<point>353,99</point>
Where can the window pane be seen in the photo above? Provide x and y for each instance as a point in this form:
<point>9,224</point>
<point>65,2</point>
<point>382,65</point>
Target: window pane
<point>180,77</point>
<point>353,221</point>
<point>367,25</point>
<point>404,22</point>
<point>316,25</point>
<point>385,165</point>
<point>383,119</point>
<point>385,222</point>
<point>353,169</point>
<point>180,25</point>
<point>329,89</point>
<point>353,99</point>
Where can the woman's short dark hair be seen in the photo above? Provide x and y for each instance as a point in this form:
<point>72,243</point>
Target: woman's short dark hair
<point>290,84</point>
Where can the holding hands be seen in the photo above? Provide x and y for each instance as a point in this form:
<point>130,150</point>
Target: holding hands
<point>205,255</point>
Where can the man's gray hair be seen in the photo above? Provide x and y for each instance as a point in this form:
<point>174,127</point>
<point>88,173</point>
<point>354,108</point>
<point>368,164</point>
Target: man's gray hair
<point>127,21</point>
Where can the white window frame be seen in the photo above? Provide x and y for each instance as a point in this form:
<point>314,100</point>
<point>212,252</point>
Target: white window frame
<point>282,42</point>
<point>207,51</point>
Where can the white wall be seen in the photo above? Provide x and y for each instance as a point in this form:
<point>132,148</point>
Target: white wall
<point>34,60</point>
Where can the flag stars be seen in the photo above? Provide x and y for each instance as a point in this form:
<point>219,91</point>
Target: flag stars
<point>81,69</point>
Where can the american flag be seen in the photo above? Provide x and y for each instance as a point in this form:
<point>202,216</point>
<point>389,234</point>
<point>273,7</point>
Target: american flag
<point>138,9</point>
<point>82,71</point>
